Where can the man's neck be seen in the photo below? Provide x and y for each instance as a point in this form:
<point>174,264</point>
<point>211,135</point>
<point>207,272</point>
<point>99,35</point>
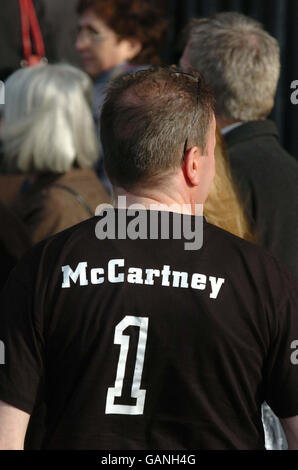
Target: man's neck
<point>154,201</point>
<point>223,122</point>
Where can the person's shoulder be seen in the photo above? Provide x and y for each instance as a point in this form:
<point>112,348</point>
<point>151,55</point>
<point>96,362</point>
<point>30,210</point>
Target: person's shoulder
<point>76,180</point>
<point>221,237</point>
<point>259,139</point>
<point>233,243</point>
<point>252,257</point>
<point>82,232</point>
<point>46,254</point>
<point>251,130</point>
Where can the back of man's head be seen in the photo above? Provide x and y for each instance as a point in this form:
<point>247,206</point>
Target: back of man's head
<point>240,62</point>
<point>147,119</point>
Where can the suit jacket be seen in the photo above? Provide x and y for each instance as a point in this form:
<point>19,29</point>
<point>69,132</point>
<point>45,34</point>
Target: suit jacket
<point>267,177</point>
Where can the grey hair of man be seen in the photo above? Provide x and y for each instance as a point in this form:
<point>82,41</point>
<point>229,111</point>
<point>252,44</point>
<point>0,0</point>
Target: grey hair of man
<point>240,62</point>
<point>147,120</point>
<point>47,122</point>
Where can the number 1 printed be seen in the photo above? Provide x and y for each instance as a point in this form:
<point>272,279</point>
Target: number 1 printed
<point>136,392</point>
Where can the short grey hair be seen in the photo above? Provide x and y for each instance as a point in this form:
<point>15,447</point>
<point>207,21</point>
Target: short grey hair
<point>148,121</point>
<point>240,62</point>
<point>48,124</point>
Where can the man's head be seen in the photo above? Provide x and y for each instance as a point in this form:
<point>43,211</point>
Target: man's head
<point>112,32</point>
<point>240,62</point>
<point>158,125</point>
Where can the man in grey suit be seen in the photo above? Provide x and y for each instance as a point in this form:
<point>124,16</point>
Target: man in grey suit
<point>241,64</point>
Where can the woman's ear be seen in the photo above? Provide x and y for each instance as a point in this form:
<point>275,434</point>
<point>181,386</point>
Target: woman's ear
<point>132,47</point>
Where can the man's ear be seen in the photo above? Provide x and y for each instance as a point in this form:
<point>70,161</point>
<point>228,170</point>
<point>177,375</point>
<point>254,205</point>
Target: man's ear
<point>192,165</point>
<point>133,47</point>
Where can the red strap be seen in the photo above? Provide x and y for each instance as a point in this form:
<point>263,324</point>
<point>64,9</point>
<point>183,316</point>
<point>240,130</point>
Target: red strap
<point>29,20</point>
<point>25,29</point>
<point>39,44</point>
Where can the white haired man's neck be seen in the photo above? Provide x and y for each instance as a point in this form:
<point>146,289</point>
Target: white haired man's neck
<point>223,122</point>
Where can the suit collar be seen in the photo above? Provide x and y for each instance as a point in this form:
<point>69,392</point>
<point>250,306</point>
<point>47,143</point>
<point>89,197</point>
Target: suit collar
<point>249,130</point>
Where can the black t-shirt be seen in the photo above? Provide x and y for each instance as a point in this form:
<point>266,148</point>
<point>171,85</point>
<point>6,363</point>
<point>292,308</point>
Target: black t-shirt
<point>141,344</point>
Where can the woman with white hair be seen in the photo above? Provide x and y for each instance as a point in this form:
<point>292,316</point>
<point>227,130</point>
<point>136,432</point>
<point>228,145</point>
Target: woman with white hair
<point>48,133</point>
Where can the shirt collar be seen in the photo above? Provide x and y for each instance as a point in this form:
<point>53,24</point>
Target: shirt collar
<point>227,129</point>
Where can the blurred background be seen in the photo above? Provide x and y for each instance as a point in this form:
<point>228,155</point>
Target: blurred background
<point>58,22</point>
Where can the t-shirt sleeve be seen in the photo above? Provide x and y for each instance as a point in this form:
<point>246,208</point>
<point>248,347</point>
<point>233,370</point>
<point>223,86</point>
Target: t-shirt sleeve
<point>21,361</point>
<point>282,363</point>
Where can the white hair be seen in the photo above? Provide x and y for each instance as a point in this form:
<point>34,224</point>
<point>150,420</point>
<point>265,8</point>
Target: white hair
<point>48,124</point>
<point>240,62</point>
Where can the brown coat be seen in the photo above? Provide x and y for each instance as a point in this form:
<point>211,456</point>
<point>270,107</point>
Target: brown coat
<point>10,186</point>
<point>56,202</point>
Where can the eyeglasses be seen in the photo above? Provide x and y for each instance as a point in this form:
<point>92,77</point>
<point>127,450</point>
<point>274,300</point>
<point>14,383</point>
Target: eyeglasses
<point>89,34</point>
<point>198,80</point>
